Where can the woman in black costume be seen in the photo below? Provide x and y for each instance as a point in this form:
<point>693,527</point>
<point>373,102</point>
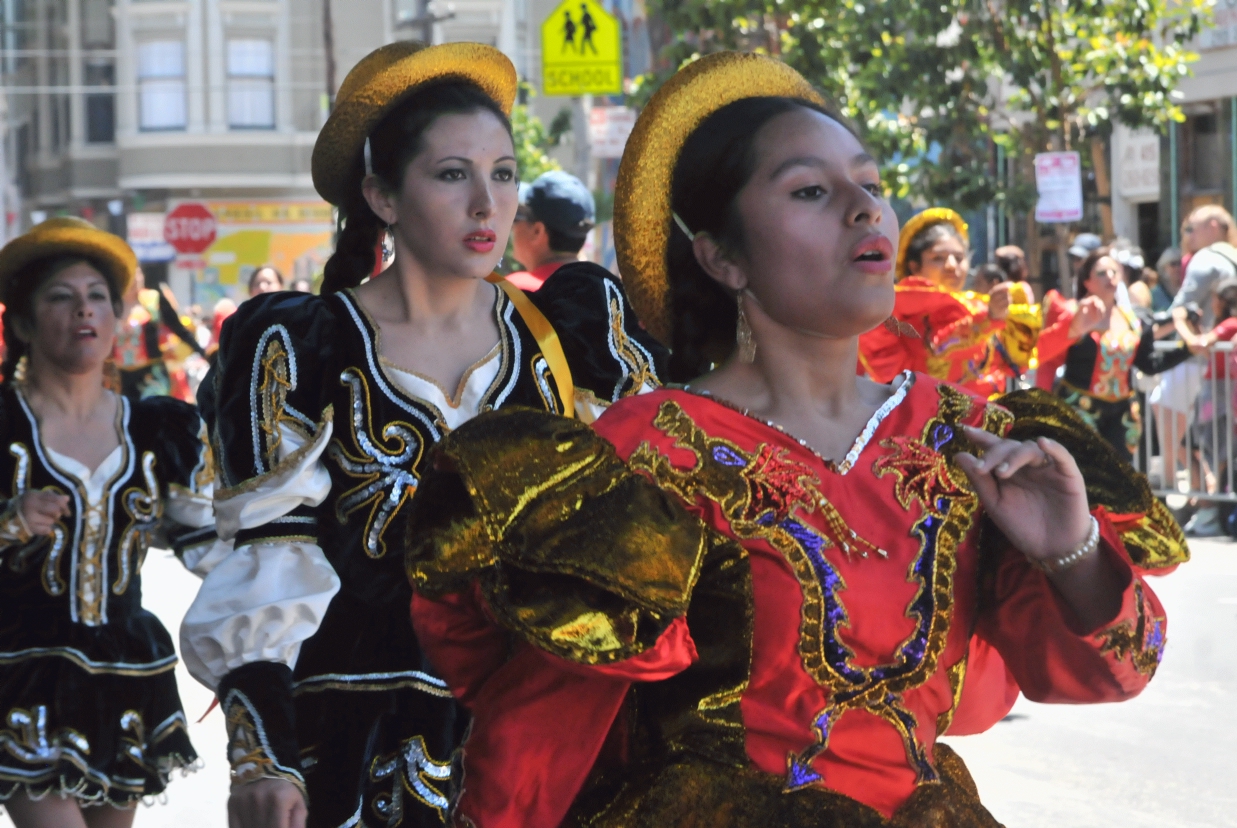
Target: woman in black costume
<point>90,712</point>
<point>325,412</point>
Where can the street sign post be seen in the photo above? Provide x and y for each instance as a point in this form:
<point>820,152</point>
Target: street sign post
<point>581,51</point>
<point>1058,181</point>
<point>190,228</point>
<point>608,130</point>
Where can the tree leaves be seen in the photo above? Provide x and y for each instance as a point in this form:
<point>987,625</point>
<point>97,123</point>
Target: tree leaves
<point>934,85</point>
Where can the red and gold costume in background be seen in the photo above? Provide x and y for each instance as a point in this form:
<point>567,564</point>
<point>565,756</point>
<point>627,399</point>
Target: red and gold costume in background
<point>1097,370</point>
<point>954,339</point>
<point>149,357</point>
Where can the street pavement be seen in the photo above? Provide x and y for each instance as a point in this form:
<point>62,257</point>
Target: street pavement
<point>1164,759</point>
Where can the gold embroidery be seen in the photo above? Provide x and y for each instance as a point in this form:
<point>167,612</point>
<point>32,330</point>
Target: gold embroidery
<point>91,551</point>
<point>144,510</point>
<point>1156,541</point>
<point>957,677</point>
<point>27,738</point>
<point>412,771</point>
<point>248,752</point>
<point>634,359</point>
<point>922,475</point>
<point>1141,641</point>
<point>53,584</point>
<point>273,397</point>
<point>290,462</point>
<point>997,419</point>
<point>13,528</point>
<point>544,379</point>
<point>761,491</point>
<point>386,475</point>
<point>133,745</point>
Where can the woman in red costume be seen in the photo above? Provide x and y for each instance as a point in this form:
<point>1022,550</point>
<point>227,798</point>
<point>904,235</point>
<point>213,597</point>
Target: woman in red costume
<point>753,600</point>
<point>1099,343</point>
<point>980,342</point>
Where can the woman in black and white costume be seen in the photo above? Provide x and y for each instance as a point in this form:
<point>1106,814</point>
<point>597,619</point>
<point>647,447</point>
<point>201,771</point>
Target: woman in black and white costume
<point>89,711</point>
<point>325,411</point>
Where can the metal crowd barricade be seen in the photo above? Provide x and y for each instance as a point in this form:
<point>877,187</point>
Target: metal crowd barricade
<point>1184,450</point>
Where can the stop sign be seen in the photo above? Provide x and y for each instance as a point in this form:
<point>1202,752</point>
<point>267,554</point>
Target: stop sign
<point>190,228</point>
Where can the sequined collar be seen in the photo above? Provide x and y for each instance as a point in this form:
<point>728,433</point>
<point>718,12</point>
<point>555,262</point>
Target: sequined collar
<point>425,410</point>
<point>902,386</point>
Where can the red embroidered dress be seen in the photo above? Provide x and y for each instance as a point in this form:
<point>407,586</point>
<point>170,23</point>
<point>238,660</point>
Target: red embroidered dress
<point>829,612</point>
<point>954,338</point>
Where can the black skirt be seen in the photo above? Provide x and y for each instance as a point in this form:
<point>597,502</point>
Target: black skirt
<point>90,713</point>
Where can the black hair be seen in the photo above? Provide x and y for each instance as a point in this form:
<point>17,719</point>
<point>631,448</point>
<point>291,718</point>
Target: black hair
<point>715,163</point>
<point>19,301</point>
<point>1226,292</point>
<point>562,243</point>
<point>393,144</point>
<point>253,276</point>
<point>927,237</point>
<point>1008,261</point>
<point>1087,267</point>
<point>990,274</point>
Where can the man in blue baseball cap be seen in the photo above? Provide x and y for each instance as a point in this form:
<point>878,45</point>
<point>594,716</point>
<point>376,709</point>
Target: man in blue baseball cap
<point>555,216</point>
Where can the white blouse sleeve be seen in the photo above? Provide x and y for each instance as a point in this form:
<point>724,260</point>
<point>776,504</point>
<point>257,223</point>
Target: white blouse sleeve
<point>260,601</point>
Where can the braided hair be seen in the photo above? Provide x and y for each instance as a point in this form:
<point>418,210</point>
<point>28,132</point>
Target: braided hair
<point>393,144</point>
<point>23,286</point>
<point>716,162</point>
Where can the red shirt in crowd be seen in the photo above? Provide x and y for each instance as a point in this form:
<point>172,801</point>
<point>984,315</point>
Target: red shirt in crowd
<point>530,281</point>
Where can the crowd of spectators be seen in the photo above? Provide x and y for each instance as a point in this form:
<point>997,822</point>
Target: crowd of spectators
<point>1190,296</point>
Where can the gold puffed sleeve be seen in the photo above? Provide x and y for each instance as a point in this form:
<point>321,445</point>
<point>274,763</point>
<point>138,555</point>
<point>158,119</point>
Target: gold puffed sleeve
<point>1148,530</point>
<point>571,550</point>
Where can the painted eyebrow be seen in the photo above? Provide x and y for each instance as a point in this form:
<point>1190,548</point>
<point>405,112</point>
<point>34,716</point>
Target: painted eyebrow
<point>861,160</point>
<point>464,160</point>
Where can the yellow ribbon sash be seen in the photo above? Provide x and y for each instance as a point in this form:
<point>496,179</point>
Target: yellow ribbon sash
<point>547,340</point>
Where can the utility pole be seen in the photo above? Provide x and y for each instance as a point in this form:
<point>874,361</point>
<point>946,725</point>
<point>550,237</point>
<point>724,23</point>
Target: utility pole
<point>425,20</point>
<point>582,156</point>
<point>328,42</point>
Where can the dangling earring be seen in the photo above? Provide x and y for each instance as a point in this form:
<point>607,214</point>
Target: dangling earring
<point>19,370</point>
<point>111,376</point>
<point>743,335</point>
<point>386,246</point>
<point>900,328</point>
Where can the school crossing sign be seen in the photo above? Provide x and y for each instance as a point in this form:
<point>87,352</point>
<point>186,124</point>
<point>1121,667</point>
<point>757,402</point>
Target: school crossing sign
<point>581,51</point>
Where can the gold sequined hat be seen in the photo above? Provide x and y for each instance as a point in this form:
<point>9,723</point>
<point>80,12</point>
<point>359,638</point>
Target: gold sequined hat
<point>642,215</point>
<point>919,223</point>
<point>68,236</point>
<point>382,79</point>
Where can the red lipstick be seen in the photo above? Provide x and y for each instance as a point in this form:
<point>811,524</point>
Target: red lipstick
<point>480,241</point>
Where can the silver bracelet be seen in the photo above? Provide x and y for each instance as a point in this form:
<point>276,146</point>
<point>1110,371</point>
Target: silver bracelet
<point>1055,565</point>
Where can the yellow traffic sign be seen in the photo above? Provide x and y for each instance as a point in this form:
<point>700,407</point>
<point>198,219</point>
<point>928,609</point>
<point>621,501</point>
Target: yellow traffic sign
<point>581,51</point>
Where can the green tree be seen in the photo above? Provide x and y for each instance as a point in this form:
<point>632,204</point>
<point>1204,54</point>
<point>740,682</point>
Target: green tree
<point>933,86</point>
<point>532,140</point>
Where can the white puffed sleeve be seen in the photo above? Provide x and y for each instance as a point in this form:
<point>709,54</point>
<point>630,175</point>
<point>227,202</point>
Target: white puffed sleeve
<point>260,601</point>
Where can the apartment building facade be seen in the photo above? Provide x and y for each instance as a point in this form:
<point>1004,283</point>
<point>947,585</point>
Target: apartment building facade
<point>119,110</point>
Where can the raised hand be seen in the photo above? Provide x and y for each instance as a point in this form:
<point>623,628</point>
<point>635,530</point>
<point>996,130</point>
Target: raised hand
<point>1088,315</point>
<point>998,302</point>
<point>1035,494</point>
<point>266,803</point>
<point>40,510</point>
